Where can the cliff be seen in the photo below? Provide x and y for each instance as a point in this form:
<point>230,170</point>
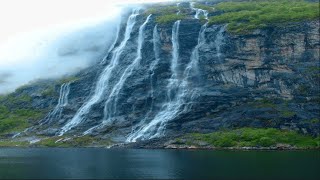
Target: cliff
<point>164,80</point>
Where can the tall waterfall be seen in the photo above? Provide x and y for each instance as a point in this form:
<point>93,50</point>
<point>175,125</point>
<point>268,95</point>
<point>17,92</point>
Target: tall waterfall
<point>199,12</point>
<point>156,49</point>
<point>113,44</point>
<point>104,78</point>
<point>219,42</point>
<point>62,102</point>
<point>191,73</point>
<point>111,102</point>
<point>192,67</point>
<point>171,108</point>
<point>179,11</point>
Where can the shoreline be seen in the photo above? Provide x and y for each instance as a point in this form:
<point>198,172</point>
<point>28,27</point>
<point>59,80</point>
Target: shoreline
<point>191,148</point>
<point>186,149</point>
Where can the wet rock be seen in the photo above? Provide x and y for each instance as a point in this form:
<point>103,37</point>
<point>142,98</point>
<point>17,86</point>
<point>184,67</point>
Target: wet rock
<point>268,78</point>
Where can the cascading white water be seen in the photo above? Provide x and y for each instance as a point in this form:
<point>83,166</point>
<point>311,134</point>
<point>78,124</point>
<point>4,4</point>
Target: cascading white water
<point>104,78</point>
<point>62,102</point>
<point>171,108</point>
<point>219,42</point>
<point>193,64</point>
<point>156,49</point>
<point>189,91</point>
<point>199,12</point>
<point>174,81</point>
<point>184,94</point>
<point>56,112</point>
<point>179,11</point>
<point>111,102</point>
<point>113,44</point>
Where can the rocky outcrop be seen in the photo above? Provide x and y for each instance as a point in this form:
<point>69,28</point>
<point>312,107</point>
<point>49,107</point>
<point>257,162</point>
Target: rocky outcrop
<point>269,78</point>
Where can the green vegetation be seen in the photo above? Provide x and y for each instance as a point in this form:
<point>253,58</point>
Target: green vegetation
<point>204,7</point>
<point>162,10</point>
<point>166,14</point>
<point>68,79</point>
<point>287,114</point>
<point>252,137</point>
<point>264,103</point>
<point>17,119</point>
<point>315,121</point>
<point>83,141</point>
<point>16,110</point>
<point>16,100</point>
<point>244,17</point>
<point>169,18</point>
<point>48,92</point>
<point>14,118</point>
<point>6,143</point>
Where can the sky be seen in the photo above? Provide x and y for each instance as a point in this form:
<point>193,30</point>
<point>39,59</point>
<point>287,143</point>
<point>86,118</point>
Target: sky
<point>52,38</point>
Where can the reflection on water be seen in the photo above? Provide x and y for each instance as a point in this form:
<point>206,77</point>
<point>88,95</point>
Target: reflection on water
<point>159,164</point>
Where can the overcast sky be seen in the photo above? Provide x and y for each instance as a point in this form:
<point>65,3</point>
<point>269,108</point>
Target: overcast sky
<point>52,38</point>
<point>21,16</point>
<point>25,15</point>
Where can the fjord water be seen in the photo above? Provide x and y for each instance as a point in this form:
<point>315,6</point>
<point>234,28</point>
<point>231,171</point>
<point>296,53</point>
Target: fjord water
<point>157,164</point>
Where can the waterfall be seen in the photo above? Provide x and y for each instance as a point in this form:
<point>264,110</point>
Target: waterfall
<point>194,60</point>
<point>219,41</point>
<point>57,111</point>
<point>62,102</point>
<point>113,44</point>
<point>189,91</point>
<point>180,93</point>
<point>199,12</point>
<point>104,78</point>
<point>111,102</point>
<point>156,49</point>
<point>20,133</point>
<point>171,108</point>
<point>179,11</point>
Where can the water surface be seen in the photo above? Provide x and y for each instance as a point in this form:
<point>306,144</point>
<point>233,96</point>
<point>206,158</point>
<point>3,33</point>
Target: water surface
<point>160,164</point>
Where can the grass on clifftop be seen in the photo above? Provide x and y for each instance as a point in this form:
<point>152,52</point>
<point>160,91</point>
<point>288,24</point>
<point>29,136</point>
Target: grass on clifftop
<point>164,19</point>
<point>166,14</point>
<point>252,137</point>
<point>244,17</point>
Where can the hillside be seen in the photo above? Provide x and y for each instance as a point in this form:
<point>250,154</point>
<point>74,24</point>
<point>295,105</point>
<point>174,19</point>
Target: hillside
<point>186,74</point>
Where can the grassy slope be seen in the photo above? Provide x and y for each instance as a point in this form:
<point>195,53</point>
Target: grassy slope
<point>252,137</point>
<point>14,119</point>
<point>16,111</point>
<point>166,14</point>
<point>83,141</point>
<point>243,17</point>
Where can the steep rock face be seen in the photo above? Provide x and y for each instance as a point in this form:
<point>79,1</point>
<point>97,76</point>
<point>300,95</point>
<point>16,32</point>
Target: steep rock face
<point>276,64</point>
<point>269,78</point>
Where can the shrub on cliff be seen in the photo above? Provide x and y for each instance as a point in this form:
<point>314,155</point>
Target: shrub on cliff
<point>255,137</point>
<point>243,17</point>
<point>169,18</point>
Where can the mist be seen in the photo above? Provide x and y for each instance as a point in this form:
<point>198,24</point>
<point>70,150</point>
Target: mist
<point>53,39</point>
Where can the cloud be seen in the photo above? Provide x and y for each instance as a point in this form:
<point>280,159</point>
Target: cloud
<point>53,38</point>
<point>55,52</point>
<point>4,77</point>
